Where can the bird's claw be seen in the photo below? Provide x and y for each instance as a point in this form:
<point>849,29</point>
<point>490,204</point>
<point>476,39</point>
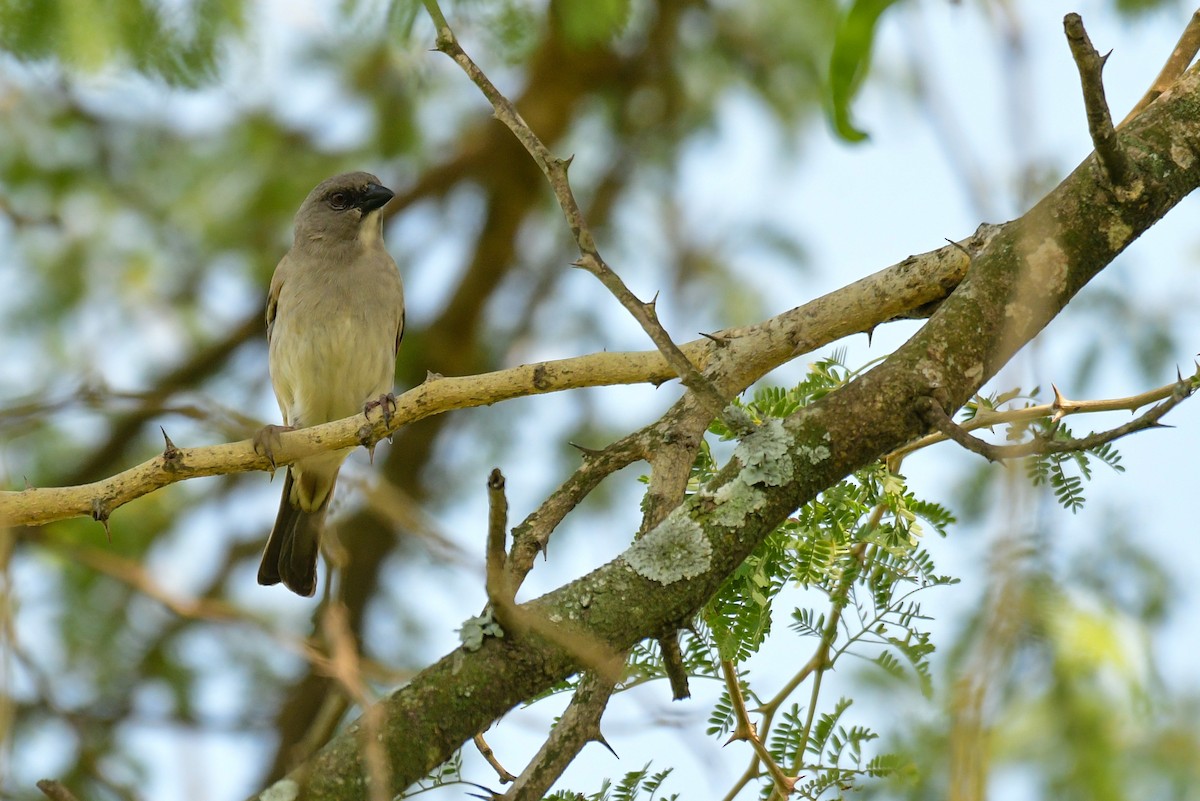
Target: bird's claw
<point>386,403</point>
<point>266,440</point>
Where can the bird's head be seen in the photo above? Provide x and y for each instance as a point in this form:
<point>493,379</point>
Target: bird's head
<point>344,208</point>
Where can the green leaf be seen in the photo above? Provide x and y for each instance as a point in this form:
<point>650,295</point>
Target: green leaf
<point>851,60</point>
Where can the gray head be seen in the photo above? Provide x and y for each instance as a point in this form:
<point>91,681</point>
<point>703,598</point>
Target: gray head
<point>343,208</point>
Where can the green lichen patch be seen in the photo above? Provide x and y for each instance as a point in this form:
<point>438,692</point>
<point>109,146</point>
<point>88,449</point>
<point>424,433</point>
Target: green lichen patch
<point>674,550</point>
<point>764,455</point>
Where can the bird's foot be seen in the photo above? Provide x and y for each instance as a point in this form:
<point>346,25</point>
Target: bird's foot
<point>266,440</point>
<point>386,403</point>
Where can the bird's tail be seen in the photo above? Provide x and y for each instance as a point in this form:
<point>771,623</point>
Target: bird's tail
<point>292,548</point>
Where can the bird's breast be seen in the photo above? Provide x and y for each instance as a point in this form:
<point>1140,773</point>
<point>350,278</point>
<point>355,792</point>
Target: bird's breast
<point>332,344</point>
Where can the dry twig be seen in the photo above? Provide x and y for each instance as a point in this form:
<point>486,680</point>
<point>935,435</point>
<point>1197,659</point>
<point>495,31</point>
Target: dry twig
<point>1109,151</point>
<point>488,754</point>
<point>937,417</point>
<point>555,170</point>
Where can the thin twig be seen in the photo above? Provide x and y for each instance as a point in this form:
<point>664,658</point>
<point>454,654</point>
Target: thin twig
<point>1185,50</point>
<point>937,416</point>
<point>488,754</point>
<point>555,170</point>
<point>744,730</point>
<point>532,536</point>
<point>579,725</point>
<point>1060,408</point>
<point>1109,151</point>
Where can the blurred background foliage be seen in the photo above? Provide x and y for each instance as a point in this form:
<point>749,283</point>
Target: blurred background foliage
<point>153,152</point>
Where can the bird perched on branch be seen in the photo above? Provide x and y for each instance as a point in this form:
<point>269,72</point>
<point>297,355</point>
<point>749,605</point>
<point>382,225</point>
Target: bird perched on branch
<point>335,316</point>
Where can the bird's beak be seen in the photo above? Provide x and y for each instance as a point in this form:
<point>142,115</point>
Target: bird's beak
<point>375,197</point>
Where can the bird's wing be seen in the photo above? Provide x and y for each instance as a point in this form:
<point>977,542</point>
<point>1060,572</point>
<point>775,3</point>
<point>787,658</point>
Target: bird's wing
<point>273,296</point>
<point>399,332</point>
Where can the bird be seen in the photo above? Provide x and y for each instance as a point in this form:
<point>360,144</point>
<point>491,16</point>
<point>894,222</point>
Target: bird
<point>335,318</point>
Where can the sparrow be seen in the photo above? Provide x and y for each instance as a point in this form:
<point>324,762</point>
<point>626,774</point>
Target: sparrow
<point>335,317</point>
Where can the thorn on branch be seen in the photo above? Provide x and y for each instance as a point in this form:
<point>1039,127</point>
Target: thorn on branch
<point>962,247</point>
<point>1059,406</point>
<point>1112,156</point>
<point>586,452</point>
<point>488,793</point>
<point>100,513</point>
<point>599,738</point>
<point>170,452</point>
<point>367,439</point>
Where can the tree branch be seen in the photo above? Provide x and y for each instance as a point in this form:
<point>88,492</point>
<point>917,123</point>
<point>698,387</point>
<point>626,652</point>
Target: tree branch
<point>747,353</point>
<point>744,730</point>
<point>945,424</point>
<point>1109,151</point>
<point>499,590</point>
<point>1060,408</point>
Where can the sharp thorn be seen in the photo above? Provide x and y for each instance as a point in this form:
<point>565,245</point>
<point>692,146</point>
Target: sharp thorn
<point>600,739</point>
<point>169,450</point>
<point>584,450</point>
<point>365,437</point>
<point>100,515</point>
<point>1059,400</point>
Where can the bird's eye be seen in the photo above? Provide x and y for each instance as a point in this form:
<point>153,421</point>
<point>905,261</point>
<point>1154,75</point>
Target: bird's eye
<point>339,201</point>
